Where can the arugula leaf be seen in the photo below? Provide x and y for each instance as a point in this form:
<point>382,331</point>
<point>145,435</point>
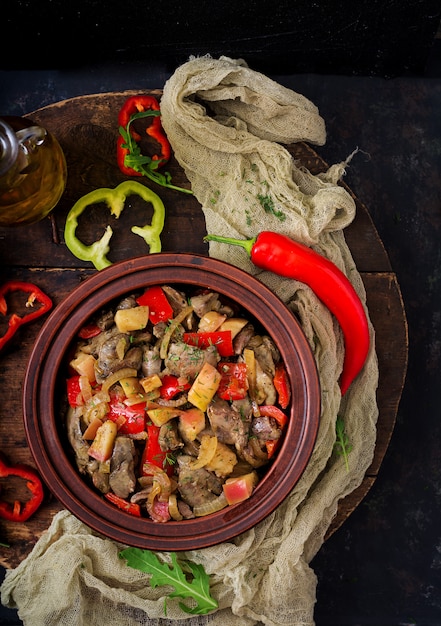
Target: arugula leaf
<point>342,445</point>
<point>173,574</point>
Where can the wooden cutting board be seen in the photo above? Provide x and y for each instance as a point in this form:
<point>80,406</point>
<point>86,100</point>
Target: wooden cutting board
<point>87,130</point>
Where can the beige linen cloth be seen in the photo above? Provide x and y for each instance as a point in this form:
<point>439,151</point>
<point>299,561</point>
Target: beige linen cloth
<point>227,125</point>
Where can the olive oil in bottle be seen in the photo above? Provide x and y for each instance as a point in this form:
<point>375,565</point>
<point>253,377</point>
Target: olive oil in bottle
<point>33,172</point>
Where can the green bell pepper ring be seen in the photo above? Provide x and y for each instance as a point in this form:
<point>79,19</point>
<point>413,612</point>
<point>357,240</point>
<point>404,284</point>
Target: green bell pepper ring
<point>115,198</point>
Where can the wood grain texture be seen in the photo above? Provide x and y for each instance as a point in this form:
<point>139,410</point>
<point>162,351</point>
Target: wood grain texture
<point>87,130</point>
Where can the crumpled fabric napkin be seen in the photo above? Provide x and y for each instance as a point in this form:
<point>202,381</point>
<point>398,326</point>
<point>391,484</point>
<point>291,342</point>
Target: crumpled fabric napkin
<point>228,126</point>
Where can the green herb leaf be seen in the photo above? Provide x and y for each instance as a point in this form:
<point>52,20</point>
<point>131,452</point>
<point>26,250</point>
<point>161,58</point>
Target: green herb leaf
<point>198,588</point>
<point>342,445</point>
<point>142,163</point>
<point>268,206</point>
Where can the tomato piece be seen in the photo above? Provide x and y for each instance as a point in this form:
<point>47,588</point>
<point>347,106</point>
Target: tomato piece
<point>222,339</point>
<point>153,452</point>
<point>160,309</point>
<point>172,386</point>
<point>131,419</point>
<point>89,331</point>
<point>281,384</point>
<point>269,410</point>
<point>128,507</point>
<point>74,394</point>
<point>234,382</point>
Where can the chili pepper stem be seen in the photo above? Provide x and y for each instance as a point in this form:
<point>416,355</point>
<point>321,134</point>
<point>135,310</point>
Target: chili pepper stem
<point>247,244</point>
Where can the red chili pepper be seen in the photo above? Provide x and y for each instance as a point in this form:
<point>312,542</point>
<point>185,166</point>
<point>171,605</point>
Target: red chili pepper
<point>160,309</point>
<point>283,256</point>
<point>128,507</point>
<point>15,321</point>
<point>281,384</point>
<point>134,108</point>
<point>233,384</point>
<point>222,339</point>
<point>19,511</point>
<point>172,386</point>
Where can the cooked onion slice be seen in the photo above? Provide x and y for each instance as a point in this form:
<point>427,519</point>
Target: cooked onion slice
<point>211,507</point>
<point>173,507</point>
<point>124,372</point>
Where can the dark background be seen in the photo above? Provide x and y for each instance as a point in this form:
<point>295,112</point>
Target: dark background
<point>374,70</point>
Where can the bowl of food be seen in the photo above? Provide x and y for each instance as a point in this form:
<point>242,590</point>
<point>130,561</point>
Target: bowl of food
<point>171,402</point>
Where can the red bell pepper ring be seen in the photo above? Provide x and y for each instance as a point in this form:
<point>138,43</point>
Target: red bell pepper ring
<point>21,511</point>
<point>129,157</point>
<point>134,108</point>
<point>15,321</point>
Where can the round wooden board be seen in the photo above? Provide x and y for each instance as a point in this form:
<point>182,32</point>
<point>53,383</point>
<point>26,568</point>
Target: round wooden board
<point>87,129</point>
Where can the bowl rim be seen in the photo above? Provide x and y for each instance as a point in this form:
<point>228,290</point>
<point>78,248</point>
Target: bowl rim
<point>40,390</point>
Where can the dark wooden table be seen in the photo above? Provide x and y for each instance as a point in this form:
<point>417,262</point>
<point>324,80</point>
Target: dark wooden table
<point>87,130</point>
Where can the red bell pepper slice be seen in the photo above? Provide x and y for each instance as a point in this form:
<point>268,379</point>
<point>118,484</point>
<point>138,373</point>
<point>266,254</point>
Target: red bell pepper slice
<point>131,419</point>
<point>269,410</point>
<point>271,446</point>
<point>21,511</point>
<point>89,331</point>
<point>129,507</point>
<point>153,452</point>
<point>160,309</point>
<point>282,386</point>
<point>15,321</point>
<point>74,395</point>
<point>222,339</point>
<point>172,386</point>
<point>233,384</point>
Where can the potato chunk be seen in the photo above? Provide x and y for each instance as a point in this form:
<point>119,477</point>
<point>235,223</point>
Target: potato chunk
<point>136,318</point>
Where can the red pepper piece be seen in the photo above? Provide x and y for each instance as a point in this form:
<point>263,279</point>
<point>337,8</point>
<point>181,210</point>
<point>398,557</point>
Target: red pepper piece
<point>283,256</point>
<point>269,410</point>
<point>281,384</point>
<point>74,393</point>
<point>131,109</point>
<point>131,419</point>
<point>233,384</point>
<point>160,309</point>
<point>271,446</point>
<point>153,452</point>
<point>15,321</point>
<point>128,507</point>
<point>222,339</point>
<point>21,511</point>
<point>89,331</point>
<point>172,386</point>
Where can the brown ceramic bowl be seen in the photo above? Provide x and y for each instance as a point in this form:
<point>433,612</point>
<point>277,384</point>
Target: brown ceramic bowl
<point>45,384</point>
